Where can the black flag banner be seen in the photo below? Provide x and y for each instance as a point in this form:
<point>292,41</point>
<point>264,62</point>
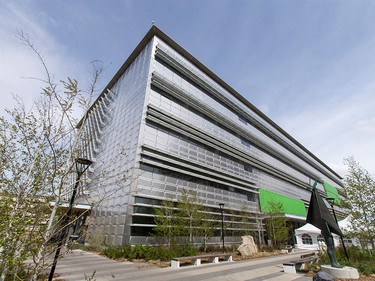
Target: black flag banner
<point>319,215</point>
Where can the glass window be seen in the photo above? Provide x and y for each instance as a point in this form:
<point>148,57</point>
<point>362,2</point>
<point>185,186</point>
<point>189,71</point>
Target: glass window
<point>143,210</point>
<point>250,197</point>
<point>245,143</point>
<point>248,168</point>
<point>141,231</point>
<point>320,238</point>
<point>306,239</point>
<point>243,120</point>
<point>143,220</point>
<point>148,201</point>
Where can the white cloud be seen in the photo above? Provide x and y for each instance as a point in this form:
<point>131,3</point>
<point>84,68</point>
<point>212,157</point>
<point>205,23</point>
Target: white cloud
<point>341,169</point>
<point>19,63</point>
<point>367,125</point>
<point>315,82</point>
<point>337,128</point>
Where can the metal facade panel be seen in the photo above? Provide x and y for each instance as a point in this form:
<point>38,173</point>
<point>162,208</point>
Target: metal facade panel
<point>115,157</point>
<point>168,141</point>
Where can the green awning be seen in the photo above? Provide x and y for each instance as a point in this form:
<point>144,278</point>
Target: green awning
<point>332,192</point>
<point>290,205</point>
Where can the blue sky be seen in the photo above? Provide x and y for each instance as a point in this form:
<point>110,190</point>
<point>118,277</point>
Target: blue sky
<point>308,65</point>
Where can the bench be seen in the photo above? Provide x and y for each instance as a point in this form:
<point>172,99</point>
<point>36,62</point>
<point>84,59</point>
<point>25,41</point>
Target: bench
<point>196,260</point>
<point>294,266</point>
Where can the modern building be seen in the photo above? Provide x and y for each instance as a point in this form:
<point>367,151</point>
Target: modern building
<point>166,123</point>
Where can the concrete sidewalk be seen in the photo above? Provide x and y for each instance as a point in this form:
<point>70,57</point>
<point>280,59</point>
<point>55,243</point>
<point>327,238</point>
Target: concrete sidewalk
<point>75,265</point>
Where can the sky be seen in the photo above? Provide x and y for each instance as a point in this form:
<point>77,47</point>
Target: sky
<point>308,65</point>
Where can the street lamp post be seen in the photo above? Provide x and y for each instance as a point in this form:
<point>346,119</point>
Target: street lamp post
<point>331,201</point>
<point>81,166</point>
<point>222,224</point>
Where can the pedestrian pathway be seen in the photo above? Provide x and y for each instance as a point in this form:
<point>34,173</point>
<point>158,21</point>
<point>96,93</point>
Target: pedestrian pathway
<point>78,264</point>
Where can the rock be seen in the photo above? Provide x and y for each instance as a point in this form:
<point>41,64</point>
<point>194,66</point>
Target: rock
<point>323,276</point>
<point>248,246</point>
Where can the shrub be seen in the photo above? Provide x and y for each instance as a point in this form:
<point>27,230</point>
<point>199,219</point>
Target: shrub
<point>361,259</point>
<point>96,240</point>
<point>185,251</point>
<point>137,252</point>
<point>211,249</point>
<point>117,252</point>
<point>148,252</point>
<point>266,248</point>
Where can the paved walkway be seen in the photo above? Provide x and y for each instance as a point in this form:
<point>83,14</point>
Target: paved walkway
<point>74,267</point>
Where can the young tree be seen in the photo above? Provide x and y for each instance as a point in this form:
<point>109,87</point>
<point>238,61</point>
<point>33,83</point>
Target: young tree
<point>207,226</point>
<point>360,201</point>
<point>276,224</point>
<point>252,224</point>
<point>166,222</point>
<point>37,151</point>
<point>189,214</point>
<point>188,219</point>
<point>246,220</point>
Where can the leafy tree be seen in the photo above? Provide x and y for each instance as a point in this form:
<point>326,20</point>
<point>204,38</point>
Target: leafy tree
<point>166,222</point>
<point>252,224</point>
<point>276,224</point>
<point>37,151</point>
<point>207,226</point>
<point>190,214</point>
<point>247,221</point>
<point>359,199</point>
<point>188,219</point>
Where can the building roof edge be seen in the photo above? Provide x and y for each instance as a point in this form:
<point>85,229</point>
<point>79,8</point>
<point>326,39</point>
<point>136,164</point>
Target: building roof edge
<point>155,31</point>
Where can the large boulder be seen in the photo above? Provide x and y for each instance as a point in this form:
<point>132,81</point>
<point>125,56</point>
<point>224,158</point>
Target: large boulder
<point>248,246</point>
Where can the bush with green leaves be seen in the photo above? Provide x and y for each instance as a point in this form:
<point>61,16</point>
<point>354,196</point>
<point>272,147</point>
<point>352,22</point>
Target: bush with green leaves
<point>185,251</point>
<point>149,252</point>
<point>117,252</point>
<point>210,248</point>
<point>361,259</point>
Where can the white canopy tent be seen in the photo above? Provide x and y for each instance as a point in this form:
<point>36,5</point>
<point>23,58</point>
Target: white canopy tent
<point>309,236</point>
<point>307,228</point>
<point>345,224</point>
